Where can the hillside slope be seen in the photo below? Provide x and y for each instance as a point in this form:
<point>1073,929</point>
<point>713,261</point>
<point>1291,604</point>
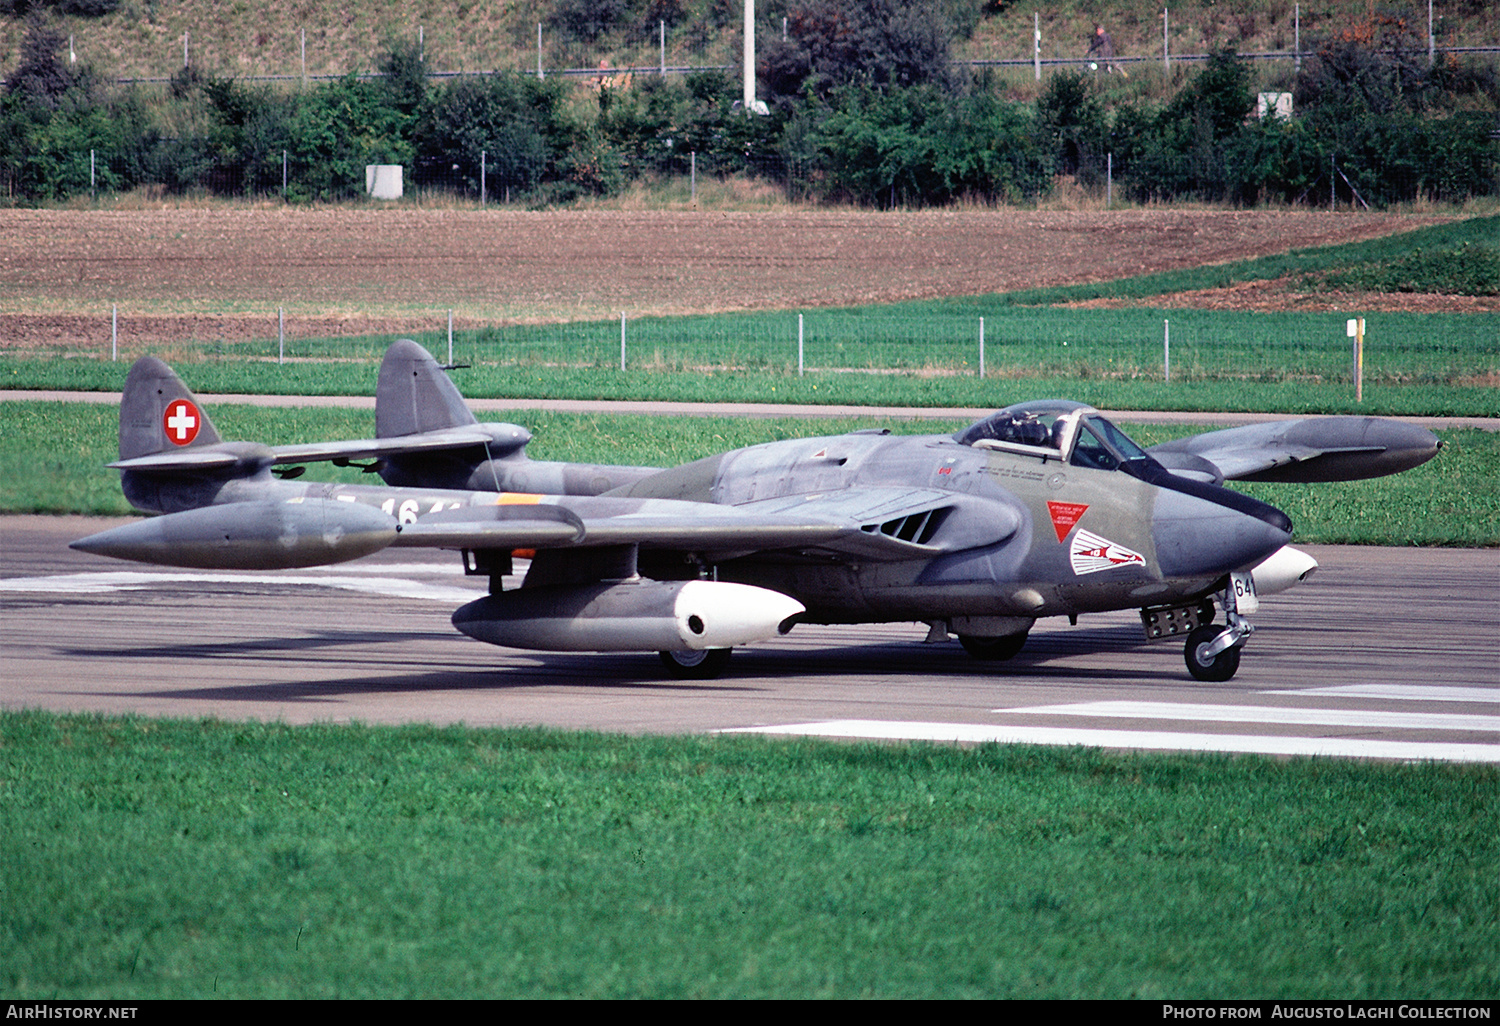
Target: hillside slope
<point>145,38</point>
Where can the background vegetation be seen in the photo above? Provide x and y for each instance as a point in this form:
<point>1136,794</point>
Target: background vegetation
<point>869,102</point>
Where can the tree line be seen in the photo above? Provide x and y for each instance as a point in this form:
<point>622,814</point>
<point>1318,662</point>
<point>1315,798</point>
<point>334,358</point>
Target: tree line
<point>864,106</point>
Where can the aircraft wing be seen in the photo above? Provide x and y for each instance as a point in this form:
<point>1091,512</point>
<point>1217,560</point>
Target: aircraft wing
<point>1311,449</point>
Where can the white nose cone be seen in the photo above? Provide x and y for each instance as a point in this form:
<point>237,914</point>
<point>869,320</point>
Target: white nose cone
<point>1282,569</point>
<point>717,614</point>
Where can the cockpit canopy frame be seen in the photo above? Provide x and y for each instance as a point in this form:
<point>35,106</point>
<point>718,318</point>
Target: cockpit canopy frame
<point>1054,429</point>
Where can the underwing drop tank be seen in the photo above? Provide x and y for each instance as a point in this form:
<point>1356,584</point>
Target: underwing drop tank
<point>629,616</point>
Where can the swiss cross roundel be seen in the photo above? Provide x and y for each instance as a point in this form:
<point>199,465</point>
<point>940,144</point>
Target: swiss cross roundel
<point>181,422</point>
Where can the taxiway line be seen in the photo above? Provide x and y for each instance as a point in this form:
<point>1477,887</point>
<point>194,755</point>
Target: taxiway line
<point>1262,714</point>
<point>978,733</point>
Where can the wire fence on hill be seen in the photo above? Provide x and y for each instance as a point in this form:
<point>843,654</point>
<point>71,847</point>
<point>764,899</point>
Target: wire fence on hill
<point>1010,342</point>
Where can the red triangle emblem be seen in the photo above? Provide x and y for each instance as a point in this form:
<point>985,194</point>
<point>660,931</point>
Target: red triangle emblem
<point>1065,516</point>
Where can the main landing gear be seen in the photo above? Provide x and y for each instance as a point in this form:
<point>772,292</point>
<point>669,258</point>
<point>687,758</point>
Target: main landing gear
<point>696,664</point>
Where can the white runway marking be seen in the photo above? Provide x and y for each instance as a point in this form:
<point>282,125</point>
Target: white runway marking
<point>1264,714</point>
<point>1407,751</point>
<point>130,580</point>
<point>1401,692</point>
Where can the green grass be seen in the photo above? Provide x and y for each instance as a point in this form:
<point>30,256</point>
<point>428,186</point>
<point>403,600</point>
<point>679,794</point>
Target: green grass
<point>167,859</point>
<point>53,456</point>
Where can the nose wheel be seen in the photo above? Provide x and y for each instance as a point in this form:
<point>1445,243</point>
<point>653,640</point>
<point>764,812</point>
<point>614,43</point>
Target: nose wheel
<point>1212,652</point>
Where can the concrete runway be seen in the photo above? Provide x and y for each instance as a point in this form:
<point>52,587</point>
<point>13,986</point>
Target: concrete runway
<point>1385,653</point>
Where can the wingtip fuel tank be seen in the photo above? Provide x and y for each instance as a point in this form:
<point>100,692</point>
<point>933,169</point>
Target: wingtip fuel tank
<point>263,535</point>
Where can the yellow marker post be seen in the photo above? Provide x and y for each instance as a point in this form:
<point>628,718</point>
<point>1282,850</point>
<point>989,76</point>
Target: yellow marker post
<point>1356,331</point>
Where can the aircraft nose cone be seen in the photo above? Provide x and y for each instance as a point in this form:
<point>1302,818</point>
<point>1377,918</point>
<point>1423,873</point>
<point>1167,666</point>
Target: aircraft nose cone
<point>1198,537</point>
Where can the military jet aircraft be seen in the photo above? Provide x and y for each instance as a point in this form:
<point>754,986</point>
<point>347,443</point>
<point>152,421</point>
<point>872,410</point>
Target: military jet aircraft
<point>1042,509</point>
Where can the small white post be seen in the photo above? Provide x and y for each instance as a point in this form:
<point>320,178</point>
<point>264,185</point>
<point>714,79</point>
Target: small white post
<point>981,347</point>
<point>422,51</point>
<point>539,50</point>
<point>184,49</point>
<point>450,338</point>
<point>693,165</point>
<point>73,57</point>
<point>663,27</point>
<point>304,58</point>
<point>1109,181</point>
<point>91,174</point>
<point>483,173</point>
<point>280,335</point>
<point>114,332</point>
<point>622,339</point>
<point>1166,350</point>
<point>1166,62</point>
<point>799,345</point>
<point>1036,44</point>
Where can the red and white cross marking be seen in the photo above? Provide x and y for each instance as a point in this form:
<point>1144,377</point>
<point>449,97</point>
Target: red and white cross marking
<point>181,422</point>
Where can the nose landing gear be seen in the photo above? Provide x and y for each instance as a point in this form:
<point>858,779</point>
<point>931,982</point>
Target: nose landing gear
<point>1212,652</point>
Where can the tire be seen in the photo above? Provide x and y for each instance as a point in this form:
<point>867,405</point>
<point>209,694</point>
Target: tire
<point>995,649</point>
<point>1216,670</point>
<point>698,664</point>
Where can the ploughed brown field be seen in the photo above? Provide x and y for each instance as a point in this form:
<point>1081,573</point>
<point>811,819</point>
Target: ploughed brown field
<point>222,272</point>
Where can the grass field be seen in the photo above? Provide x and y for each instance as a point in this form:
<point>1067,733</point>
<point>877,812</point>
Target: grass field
<point>166,859</point>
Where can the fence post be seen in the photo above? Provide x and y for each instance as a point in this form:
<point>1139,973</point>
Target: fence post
<point>1166,63</point>
<point>1166,350</point>
<point>539,50</point>
<point>1036,44</point>
<point>799,345</point>
<point>622,339</point>
<point>483,172</point>
<point>981,347</point>
<point>91,175</point>
<point>283,174</point>
<point>280,335</point>
<point>450,338</point>
<point>114,332</point>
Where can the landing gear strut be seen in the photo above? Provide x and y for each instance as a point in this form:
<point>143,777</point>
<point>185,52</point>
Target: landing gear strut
<point>1212,652</point>
<point>696,664</point>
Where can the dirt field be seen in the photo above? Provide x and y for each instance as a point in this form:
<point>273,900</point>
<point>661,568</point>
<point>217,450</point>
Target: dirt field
<point>222,272</point>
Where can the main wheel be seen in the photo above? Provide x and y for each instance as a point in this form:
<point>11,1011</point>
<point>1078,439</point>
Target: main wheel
<point>1221,667</point>
<point>696,664</point>
<point>1004,647</point>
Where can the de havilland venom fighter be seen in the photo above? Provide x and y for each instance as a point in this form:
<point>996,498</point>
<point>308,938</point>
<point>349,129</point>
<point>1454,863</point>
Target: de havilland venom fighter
<point>1041,509</point>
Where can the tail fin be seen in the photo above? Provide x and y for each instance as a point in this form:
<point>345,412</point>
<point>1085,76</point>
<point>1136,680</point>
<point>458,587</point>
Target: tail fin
<point>158,413</point>
<point>415,395</point>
